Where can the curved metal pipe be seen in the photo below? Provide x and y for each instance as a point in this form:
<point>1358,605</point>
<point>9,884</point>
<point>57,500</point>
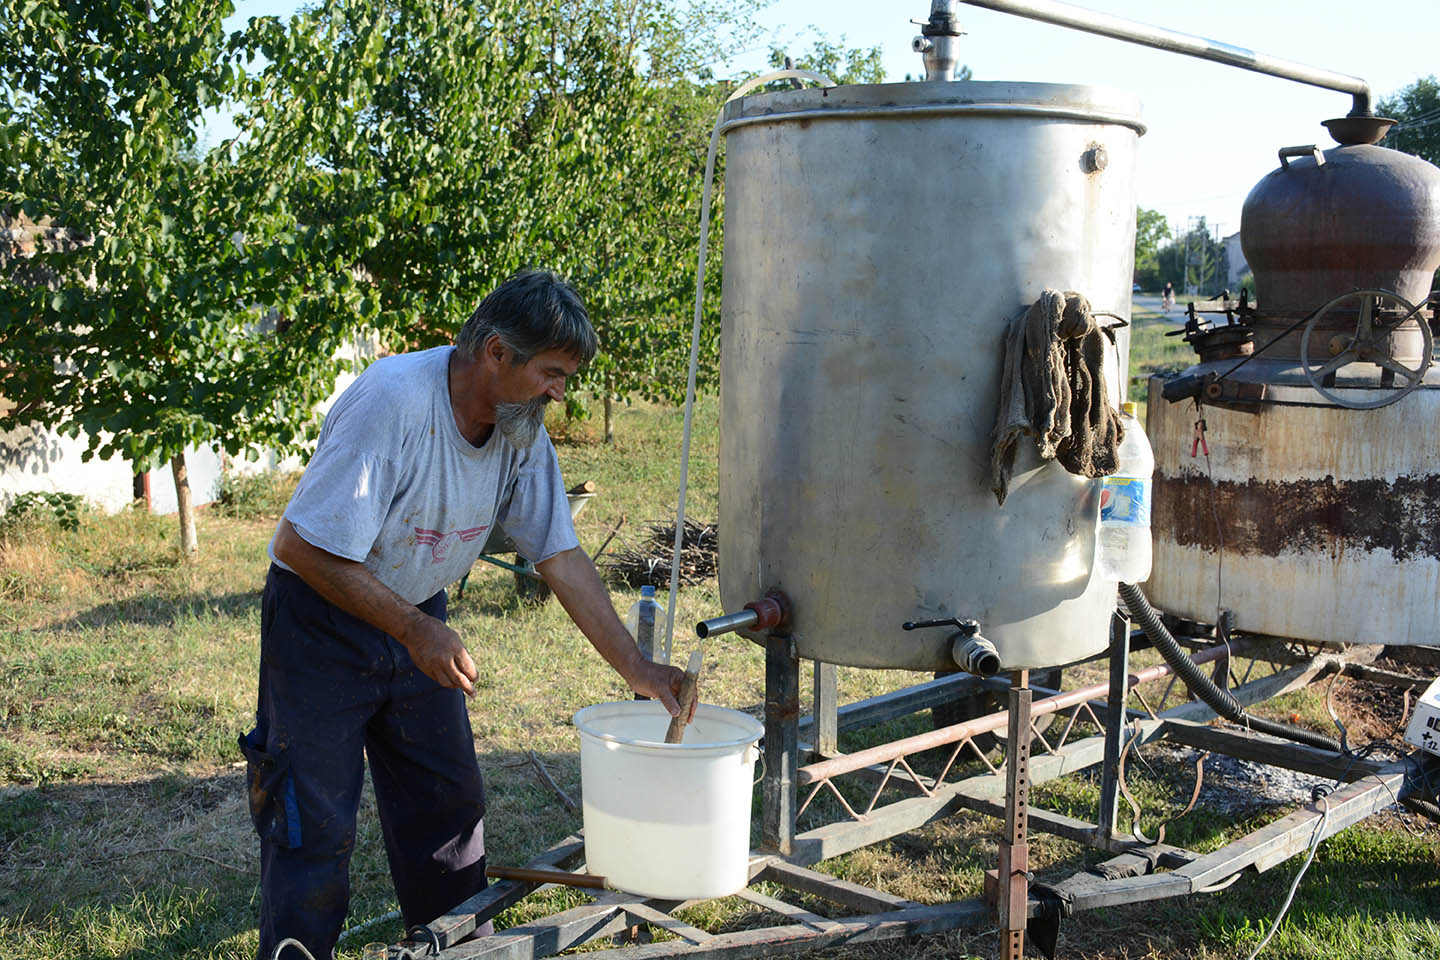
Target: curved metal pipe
<point>1118,28</point>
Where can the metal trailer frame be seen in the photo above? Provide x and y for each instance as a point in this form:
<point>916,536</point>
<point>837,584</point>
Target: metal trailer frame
<point>1140,868</point>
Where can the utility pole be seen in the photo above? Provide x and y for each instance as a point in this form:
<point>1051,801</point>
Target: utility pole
<point>1194,250</point>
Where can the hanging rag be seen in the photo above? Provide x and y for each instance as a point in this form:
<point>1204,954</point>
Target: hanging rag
<point>1053,389</point>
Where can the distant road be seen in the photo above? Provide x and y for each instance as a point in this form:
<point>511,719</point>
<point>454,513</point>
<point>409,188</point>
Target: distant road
<point>1150,303</point>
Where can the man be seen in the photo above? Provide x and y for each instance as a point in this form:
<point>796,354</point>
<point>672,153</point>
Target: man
<point>417,460</point>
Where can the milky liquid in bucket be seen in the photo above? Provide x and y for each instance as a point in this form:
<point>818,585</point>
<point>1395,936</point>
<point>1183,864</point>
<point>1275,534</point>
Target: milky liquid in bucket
<point>667,820</point>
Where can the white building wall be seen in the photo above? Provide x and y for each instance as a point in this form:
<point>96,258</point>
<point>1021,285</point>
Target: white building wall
<point>33,459</point>
<point>36,459</point>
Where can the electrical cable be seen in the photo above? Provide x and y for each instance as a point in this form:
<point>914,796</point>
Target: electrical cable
<point>291,942</point>
<point>1219,533</point>
<point>710,156</point>
<point>420,932</point>
<point>1225,884</point>
<point>1221,629</point>
<point>1317,796</point>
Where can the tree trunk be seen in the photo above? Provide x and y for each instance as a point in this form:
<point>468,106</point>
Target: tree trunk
<point>189,545</point>
<point>609,420</point>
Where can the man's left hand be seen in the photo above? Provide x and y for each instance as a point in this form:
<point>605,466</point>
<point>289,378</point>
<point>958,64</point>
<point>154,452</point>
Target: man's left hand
<point>660,681</point>
<point>576,583</point>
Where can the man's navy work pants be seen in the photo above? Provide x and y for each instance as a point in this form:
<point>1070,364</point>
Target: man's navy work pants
<point>333,690</point>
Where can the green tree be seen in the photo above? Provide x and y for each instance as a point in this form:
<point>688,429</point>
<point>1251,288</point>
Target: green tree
<point>1151,229</point>
<point>1417,107</point>
<point>842,64</point>
<point>455,142</point>
<point>144,333</point>
<point>413,132</point>
<point>632,78</point>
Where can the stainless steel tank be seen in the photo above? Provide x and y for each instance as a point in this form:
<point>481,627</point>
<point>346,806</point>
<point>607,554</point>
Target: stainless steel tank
<point>879,240</point>
<point>1312,520</point>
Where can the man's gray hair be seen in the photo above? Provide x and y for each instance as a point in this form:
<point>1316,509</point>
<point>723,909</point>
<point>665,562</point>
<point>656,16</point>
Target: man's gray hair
<point>532,312</point>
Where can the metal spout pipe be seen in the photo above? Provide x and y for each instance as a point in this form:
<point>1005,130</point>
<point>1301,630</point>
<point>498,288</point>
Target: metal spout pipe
<point>726,624</point>
<point>939,41</point>
<point>770,612</point>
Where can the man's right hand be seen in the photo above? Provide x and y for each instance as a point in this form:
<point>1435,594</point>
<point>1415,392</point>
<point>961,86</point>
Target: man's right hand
<point>436,649</point>
<point>440,654</point>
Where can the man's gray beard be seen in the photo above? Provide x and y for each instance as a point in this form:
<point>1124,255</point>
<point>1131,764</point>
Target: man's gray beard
<point>520,423</point>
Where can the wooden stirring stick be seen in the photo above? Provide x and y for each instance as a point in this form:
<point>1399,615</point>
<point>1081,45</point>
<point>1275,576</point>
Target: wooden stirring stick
<point>689,690</point>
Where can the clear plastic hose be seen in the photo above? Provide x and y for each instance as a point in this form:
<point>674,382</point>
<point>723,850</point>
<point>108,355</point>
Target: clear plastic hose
<point>744,88</point>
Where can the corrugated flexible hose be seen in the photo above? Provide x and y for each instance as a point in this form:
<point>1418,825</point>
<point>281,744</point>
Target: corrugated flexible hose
<point>1202,686</point>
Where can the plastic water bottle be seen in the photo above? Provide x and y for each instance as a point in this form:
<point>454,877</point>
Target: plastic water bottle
<point>642,619</point>
<point>1125,506</point>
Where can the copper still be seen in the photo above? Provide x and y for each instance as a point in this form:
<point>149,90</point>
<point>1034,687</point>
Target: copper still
<point>1315,513</point>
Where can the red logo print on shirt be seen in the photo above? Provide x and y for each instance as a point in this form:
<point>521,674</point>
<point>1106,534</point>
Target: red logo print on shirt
<point>441,544</point>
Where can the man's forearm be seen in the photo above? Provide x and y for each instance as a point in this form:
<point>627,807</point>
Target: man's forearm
<point>577,585</point>
<point>436,649</point>
<point>345,583</point>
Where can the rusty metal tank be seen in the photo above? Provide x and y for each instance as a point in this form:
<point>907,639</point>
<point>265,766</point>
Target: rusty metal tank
<point>1317,513</point>
<point>1356,215</point>
<point>879,240</point>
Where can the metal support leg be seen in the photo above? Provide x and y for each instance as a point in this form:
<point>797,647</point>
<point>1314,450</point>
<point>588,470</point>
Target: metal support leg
<point>1114,725</point>
<point>782,736</point>
<point>827,705</point>
<point>1014,863</point>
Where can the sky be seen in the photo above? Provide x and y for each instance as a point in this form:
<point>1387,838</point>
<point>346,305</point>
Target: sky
<point>1213,130</point>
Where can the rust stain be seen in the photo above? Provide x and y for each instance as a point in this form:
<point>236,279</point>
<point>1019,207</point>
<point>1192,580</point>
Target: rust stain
<point>1329,516</point>
<point>259,793</point>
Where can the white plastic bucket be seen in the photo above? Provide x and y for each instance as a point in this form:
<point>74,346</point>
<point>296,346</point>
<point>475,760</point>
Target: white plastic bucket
<point>667,820</point>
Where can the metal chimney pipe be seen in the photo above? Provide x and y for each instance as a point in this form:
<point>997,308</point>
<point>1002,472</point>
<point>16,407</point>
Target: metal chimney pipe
<point>939,41</point>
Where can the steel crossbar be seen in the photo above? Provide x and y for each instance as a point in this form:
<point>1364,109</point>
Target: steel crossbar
<point>969,729</point>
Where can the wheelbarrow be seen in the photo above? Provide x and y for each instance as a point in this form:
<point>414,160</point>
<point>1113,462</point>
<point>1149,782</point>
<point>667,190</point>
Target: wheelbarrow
<point>529,585</point>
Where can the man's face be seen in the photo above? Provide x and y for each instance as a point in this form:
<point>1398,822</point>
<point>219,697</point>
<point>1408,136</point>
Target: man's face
<point>527,390</point>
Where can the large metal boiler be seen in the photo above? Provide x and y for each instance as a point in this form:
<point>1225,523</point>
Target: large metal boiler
<point>878,242</point>
<point>1316,514</point>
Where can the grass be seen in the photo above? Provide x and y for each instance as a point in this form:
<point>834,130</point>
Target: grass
<point>125,676</point>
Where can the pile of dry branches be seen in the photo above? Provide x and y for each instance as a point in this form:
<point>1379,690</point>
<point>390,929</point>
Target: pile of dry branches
<point>649,562</point>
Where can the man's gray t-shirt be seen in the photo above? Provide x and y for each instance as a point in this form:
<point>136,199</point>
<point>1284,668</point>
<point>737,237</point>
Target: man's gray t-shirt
<point>394,485</point>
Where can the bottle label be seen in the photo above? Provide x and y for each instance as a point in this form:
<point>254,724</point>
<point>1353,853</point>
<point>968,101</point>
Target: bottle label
<point>1125,500</point>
